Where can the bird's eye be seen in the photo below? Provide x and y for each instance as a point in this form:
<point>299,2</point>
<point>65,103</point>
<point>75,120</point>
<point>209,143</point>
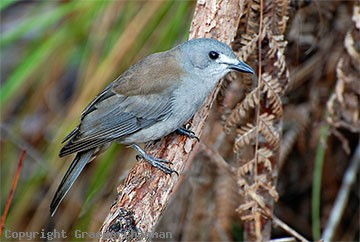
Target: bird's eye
<point>213,55</point>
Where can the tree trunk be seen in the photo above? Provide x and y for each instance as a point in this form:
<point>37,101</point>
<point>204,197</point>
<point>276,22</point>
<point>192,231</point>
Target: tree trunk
<point>146,191</point>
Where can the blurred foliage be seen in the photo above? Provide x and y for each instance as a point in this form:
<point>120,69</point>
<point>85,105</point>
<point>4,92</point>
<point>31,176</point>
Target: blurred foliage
<point>55,57</point>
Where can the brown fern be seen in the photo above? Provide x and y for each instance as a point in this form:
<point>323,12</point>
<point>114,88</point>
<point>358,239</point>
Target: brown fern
<point>343,105</point>
<point>264,41</point>
<point>246,136</point>
<point>241,110</point>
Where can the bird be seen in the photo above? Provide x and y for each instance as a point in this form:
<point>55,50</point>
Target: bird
<point>150,100</point>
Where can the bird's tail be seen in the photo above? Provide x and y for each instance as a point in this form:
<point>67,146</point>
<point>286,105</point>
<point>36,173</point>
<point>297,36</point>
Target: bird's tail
<point>76,167</point>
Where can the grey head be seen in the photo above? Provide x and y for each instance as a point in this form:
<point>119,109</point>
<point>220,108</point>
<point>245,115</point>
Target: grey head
<point>210,58</point>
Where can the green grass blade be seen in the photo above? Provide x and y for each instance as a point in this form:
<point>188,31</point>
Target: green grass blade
<point>25,69</point>
<point>40,23</point>
<point>39,55</point>
<point>316,192</point>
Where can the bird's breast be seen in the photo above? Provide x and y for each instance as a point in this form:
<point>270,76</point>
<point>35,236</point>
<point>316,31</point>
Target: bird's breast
<point>186,100</point>
<point>191,95</point>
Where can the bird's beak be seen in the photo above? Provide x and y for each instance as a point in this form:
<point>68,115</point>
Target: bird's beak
<point>241,67</point>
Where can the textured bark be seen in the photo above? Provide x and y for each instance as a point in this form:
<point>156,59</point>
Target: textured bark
<point>146,191</point>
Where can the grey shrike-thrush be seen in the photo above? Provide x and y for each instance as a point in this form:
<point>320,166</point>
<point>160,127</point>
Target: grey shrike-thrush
<point>150,100</point>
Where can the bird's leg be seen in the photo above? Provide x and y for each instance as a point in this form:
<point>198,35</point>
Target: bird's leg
<point>187,133</point>
<point>155,162</point>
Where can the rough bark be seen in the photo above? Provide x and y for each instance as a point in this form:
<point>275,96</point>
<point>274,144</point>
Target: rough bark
<point>146,191</point>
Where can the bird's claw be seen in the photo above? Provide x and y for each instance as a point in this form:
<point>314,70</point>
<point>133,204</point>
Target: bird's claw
<point>152,158</point>
<point>161,164</point>
<point>187,133</point>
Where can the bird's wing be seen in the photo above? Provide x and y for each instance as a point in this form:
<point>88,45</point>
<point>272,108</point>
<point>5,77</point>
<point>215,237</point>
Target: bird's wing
<point>154,74</point>
<point>115,117</point>
<point>139,98</point>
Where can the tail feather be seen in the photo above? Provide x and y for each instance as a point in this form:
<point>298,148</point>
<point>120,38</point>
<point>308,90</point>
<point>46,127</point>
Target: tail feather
<point>70,177</point>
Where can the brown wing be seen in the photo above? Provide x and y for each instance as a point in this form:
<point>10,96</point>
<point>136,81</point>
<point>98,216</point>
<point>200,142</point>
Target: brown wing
<point>130,103</point>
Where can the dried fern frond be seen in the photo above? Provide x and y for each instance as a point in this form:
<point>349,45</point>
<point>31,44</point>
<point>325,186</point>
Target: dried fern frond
<point>264,156</point>
<point>249,47</point>
<point>220,98</point>
<point>271,85</point>
<point>256,175</point>
<point>246,135</point>
<point>271,88</point>
<point>266,123</point>
<point>343,105</point>
<point>241,111</point>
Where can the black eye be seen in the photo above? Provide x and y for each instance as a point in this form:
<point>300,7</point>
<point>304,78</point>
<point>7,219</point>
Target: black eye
<point>213,55</point>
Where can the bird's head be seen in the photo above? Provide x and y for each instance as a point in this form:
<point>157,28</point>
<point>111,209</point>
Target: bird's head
<point>210,58</point>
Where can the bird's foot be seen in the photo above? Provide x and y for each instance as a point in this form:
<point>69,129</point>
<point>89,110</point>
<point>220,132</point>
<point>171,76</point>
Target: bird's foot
<point>155,162</point>
<point>187,133</point>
